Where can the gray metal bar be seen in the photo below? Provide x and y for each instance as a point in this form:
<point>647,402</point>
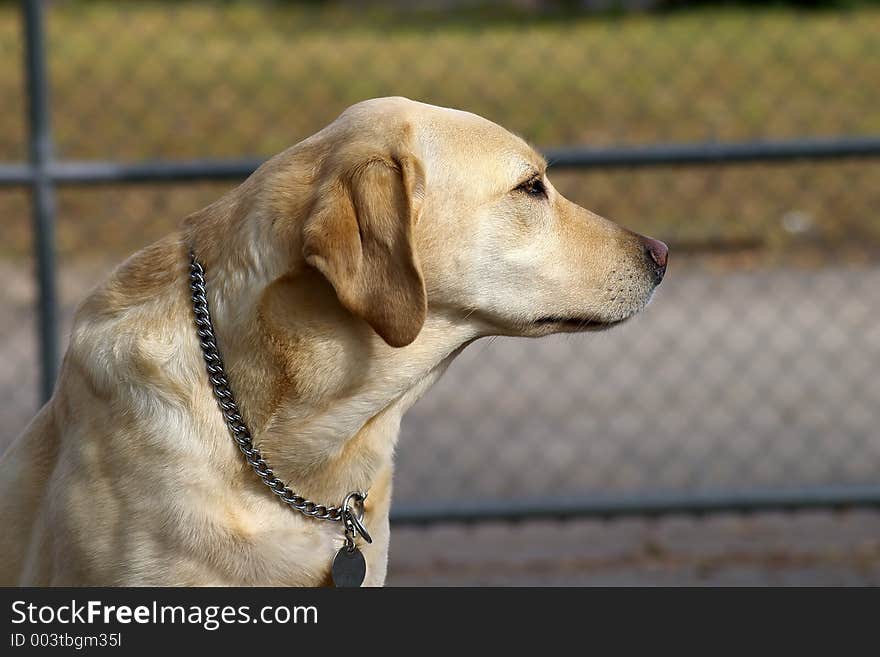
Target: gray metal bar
<point>83,173</point>
<point>16,175</point>
<point>645,504</point>
<point>87,173</point>
<point>714,153</point>
<point>97,173</point>
<point>42,191</point>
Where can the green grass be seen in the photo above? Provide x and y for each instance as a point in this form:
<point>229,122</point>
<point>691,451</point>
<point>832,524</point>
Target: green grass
<point>186,80</point>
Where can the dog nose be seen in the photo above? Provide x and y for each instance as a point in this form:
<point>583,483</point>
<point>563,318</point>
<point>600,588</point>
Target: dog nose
<point>657,253</point>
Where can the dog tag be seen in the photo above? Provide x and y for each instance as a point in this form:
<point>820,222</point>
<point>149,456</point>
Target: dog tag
<point>349,568</point>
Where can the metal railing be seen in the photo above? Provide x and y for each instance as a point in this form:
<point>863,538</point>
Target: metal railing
<point>44,173</point>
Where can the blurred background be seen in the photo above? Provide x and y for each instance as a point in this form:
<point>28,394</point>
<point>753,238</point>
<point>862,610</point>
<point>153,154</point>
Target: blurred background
<point>727,435</point>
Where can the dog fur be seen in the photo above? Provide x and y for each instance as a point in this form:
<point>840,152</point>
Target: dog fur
<point>343,277</point>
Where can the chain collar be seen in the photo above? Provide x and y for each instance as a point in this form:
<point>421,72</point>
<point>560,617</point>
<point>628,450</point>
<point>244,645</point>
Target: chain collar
<point>345,512</point>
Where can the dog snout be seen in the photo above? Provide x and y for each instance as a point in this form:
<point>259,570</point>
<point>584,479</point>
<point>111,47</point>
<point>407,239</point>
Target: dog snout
<point>657,253</point>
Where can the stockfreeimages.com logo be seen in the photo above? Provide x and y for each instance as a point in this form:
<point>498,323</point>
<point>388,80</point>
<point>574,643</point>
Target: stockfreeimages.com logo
<point>210,617</point>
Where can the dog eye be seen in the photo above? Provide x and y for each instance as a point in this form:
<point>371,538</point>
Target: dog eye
<point>533,187</point>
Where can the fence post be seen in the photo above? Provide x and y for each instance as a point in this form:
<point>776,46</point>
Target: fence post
<point>42,191</point>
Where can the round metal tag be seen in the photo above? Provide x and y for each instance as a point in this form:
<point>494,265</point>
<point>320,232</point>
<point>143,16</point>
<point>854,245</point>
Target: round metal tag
<point>349,568</point>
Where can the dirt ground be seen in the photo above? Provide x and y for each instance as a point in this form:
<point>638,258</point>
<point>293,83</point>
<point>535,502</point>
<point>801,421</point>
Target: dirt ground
<point>816,548</point>
<point>531,418</point>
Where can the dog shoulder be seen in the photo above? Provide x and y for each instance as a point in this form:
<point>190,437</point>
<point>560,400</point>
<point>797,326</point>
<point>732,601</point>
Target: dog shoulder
<point>127,332</point>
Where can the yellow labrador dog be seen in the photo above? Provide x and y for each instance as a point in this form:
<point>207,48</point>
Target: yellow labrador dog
<point>341,278</point>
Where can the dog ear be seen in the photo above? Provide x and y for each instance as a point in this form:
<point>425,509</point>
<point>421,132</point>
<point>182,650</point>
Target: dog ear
<point>359,235</point>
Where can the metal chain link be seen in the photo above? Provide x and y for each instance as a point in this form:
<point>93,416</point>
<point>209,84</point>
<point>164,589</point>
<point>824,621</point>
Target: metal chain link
<point>237,427</point>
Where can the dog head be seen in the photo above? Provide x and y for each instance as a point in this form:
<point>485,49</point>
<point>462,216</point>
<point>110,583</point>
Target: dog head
<point>419,209</point>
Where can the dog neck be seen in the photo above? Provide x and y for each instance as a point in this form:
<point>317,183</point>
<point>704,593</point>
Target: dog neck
<point>322,394</point>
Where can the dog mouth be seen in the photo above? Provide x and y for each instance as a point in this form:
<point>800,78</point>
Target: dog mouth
<point>577,324</point>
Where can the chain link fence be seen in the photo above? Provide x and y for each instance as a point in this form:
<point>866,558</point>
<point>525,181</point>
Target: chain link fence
<point>752,378</point>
